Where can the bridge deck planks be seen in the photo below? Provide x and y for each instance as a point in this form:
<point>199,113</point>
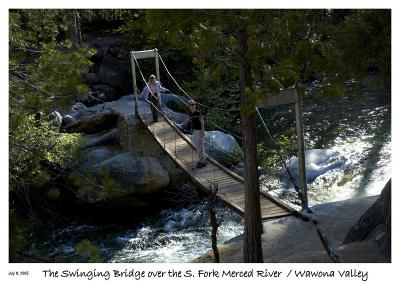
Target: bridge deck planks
<point>230,186</point>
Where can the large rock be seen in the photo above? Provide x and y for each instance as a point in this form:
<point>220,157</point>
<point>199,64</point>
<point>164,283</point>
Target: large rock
<point>175,107</point>
<point>127,98</point>
<point>101,117</point>
<point>135,174</point>
<point>115,72</point>
<point>292,239</point>
<point>78,107</point>
<point>106,92</point>
<point>317,162</point>
<point>91,79</point>
<point>97,121</point>
<point>222,147</point>
<point>110,137</point>
<point>55,119</point>
<point>101,52</point>
<point>67,119</point>
<point>110,41</point>
<point>375,224</point>
<point>93,99</point>
<point>94,156</point>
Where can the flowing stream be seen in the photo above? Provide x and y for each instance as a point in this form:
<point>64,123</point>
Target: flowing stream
<point>348,149</point>
<point>348,144</point>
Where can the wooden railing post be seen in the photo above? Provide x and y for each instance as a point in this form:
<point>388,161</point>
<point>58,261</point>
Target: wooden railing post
<point>134,81</point>
<point>300,153</point>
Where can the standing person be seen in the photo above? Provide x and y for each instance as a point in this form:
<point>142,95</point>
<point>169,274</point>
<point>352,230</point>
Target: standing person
<point>152,92</point>
<point>196,121</point>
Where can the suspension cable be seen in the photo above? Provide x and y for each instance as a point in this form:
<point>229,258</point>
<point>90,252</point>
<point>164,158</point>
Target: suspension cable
<point>259,114</point>
<point>172,77</point>
<point>212,145</point>
<point>144,80</point>
<point>323,237</point>
<point>296,187</point>
<point>208,107</point>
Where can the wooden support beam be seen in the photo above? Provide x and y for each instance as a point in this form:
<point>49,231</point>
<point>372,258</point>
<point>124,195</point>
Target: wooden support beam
<point>301,155</point>
<point>286,96</point>
<point>143,54</point>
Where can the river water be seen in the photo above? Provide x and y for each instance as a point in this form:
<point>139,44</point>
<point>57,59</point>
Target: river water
<point>348,144</point>
<point>348,148</point>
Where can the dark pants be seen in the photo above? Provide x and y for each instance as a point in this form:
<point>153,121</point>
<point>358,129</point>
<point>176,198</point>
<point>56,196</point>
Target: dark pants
<point>155,104</point>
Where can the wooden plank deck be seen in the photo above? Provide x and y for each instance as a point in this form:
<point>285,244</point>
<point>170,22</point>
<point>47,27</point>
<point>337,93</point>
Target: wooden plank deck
<point>230,185</point>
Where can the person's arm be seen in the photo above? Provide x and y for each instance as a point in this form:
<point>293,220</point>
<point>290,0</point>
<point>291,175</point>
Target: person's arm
<point>184,125</point>
<point>162,89</point>
<point>145,92</point>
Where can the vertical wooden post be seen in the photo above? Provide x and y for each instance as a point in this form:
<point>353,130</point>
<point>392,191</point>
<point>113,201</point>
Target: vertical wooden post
<point>134,81</point>
<point>157,64</point>
<point>158,74</point>
<point>300,153</point>
<point>214,222</point>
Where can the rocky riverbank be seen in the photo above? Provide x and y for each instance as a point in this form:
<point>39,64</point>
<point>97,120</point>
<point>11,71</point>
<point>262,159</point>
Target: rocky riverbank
<point>359,228</point>
<point>122,167</point>
<point>128,170</point>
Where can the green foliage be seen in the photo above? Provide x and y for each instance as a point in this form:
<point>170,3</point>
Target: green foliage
<point>95,187</point>
<point>51,80</point>
<point>369,45</point>
<point>45,73</point>
<point>250,101</point>
<point>86,184</point>
<point>29,29</point>
<point>54,193</point>
<point>333,90</point>
<point>267,154</point>
<point>111,186</point>
<point>17,238</point>
<point>285,48</point>
<point>31,143</point>
<point>65,149</point>
<point>134,30</point>
<point>85,247</point>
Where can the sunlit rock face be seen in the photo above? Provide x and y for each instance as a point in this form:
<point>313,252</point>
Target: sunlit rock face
<point>135,174</point>
<point>120,159</point>
<point>293,240</point>
<point>222,147</point>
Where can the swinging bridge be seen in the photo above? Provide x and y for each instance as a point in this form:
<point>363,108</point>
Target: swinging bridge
<point>215,178</point>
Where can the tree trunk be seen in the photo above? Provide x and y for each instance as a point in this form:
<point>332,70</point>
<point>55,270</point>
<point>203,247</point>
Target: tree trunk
<point>214,225</point>
<point>252,248</point>
<point>74,28</point>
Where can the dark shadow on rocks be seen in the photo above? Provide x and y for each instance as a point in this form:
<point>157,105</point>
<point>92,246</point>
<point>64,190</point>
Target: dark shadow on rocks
<point>375,223</point>
<point>94,123</point>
